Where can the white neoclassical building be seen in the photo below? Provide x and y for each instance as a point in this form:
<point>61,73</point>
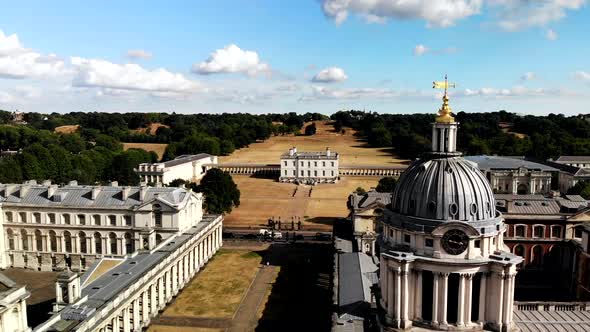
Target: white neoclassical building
<point>309,167</point>
<point>48,227</point>
<point>190,168</point>
<point>443,263</point>
<point>13,306</point>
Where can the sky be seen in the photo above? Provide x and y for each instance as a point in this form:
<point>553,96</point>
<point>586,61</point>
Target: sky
<point>269,56</point>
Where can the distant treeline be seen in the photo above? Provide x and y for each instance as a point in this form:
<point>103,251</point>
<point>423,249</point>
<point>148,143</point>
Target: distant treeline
<point>479,133</point>
<point>95,154</point>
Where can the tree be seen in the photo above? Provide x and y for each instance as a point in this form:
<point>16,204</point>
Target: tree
<point>386,185</point>
<point>178,183</point>
<point>310,129</point>
<point>581,188</point>
<point>360,191</point>
<point>220,190</point>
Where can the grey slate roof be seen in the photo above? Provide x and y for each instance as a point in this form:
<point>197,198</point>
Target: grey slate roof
<point>539,205</point>
<point>356,275</point>
<point>359,202</point>
<point>507,163</point>
<point>185,158</point>
<point>552,321</point>
<point>80,196</point>
<point>573,159</point>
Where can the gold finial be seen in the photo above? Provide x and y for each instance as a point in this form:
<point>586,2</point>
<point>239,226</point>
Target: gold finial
<point>444,113</point>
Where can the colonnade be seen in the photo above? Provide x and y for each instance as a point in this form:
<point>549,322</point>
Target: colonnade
<point>395,171</point>
<point>250,169</point>
<point>402,297</point>
<point>150,293</point>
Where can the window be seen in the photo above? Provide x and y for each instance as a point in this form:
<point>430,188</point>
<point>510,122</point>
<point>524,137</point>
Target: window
<point>113,243</point>
<point>113,220</point>
<point>51,217</point>
<point>157,215</point>
<point>538,231</point>
<point>127,220</point>
<point>315,173</point>
<point>407,238</point>
<point>315,163</point>
<point>308,173</point>
<point>66,219</point>
<point>323,164</point>
<point>285,163</point>
<point>332,173</point>
<point>68,241</point>
<point>309,164</point>
<point>294,163</point>
<point>129,243</point>
<point>25,239</point>
<point>37,217</point>
<point>38,240</point>
<point>97,243</point>
<point>556,231</point>
<point>10,236</point>
<point>519,230</point>
<point>429,243</point>
<point>323,173</point>
<point>81,219</point>
<point>96,219</point>
<point>23,217</point>
<point>82,238</point>
<point>8,216</point>
<point>302,164</point>
<point>302,173</point>
<point>285,172</point>
<point>52,241</point>
<point>332,164</point>
<point>578,232</point>
<point>391,233</point>
<point>294,173</point>
<point>477,243</point>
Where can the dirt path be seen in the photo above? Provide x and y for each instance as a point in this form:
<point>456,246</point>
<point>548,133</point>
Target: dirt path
<point>246,318</point>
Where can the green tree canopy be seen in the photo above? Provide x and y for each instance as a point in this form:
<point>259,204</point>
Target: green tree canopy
<point>386,185</point>
<point>220,190</point>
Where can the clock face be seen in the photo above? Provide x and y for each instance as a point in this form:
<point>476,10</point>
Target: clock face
<point>455,242</point>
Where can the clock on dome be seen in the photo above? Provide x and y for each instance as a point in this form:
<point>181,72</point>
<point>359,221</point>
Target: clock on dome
<point>455,242</point>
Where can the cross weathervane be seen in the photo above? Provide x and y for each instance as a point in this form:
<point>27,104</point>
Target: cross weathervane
<point>443,85</point>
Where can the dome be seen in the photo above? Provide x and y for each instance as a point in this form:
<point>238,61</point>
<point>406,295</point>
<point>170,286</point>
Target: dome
<point>444,189</point>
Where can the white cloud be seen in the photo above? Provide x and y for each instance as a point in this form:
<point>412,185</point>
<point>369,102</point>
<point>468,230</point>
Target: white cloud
<point>104,74</point>
<point>330,75</point>
<point>516,15</point>
<point>231,59</point>
<point>439,13</point>
<point>322,92</point>
<point>517,91</point>
<point>420,49</point>
<point>139,54</point>
<point>528,76</point>
<point>551,34</point>
<point>18,62</point>
<point>582,75</point>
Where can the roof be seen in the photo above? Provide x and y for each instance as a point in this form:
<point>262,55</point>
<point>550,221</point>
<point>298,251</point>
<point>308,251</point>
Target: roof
<point>74,196</point>
<point>529,321</point>
<point>185,158</point>
<point>360,202</point>
<point>572,159</point>
<point>539,205</point>
<point>507,163</point>
<point>573,170</point>
<point>356,275</point>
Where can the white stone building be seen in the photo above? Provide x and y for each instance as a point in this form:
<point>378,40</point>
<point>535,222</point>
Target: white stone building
<point>364,213</point>
<point>443,261</point>
<point>512,175</point>
<point>576,161</point>
<point>186,167</point>
<point>309,167</point>
<point>47,227</point>
<point>13,306</point>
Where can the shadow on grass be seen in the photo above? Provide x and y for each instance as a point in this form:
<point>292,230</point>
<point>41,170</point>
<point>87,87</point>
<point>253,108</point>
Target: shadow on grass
<point>301,297</point>
<point>322,220</point>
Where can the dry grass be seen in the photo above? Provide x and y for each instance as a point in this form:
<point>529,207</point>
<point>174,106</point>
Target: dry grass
<point>163,328</point>
<point>352,150</point>
<point>265,198</point>
<point>158,148</point>
<point>218,289</point>
<point>104,266</point>
<point>67,129</point>
<point>150,129</point>
<point>41,284</point>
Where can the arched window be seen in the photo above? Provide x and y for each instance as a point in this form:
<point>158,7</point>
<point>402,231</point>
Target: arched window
<point>68,241</point>
<point>157,215</point>
<point>52,241</point>
<point>522,189</point>
<point>113,243</point>
<point>519,230</point>
<point>96,219</point>
<point>37,217</point>
<point>538,231</point>
<point>38,240</point>
<point>537,256</point>
<point>10,236</point>
<point>97,243</point>
<point>129,243</point>
<point>24,237</point>
<point>82,239</point>
<point>23,217</point>
<point>66,218</point>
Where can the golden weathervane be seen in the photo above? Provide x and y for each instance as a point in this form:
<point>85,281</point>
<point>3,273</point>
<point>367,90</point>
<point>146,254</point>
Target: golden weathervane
<point>444,113</point>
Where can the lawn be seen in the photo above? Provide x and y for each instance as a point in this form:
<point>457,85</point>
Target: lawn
<point>217,290</point>
<point>158,148</point>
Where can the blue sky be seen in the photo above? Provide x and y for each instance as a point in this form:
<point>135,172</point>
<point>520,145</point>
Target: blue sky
<point>305,55</point>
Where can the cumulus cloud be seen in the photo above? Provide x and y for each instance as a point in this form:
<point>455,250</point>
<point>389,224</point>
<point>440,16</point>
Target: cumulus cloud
<point>18,62</point>
<point>551,34</point>
<point>528,76</point>
<point>517,91</point>
<point>231,59</point>
<point>516,15</point>
<point>420,49</point>
<point>139,54</point>
<point>330,75</point>
<point>440,13</point>
<point>582,75</point>
<point>108,75</point>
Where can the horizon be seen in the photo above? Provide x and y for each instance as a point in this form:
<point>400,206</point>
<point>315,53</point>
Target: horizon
<point>314,56</point>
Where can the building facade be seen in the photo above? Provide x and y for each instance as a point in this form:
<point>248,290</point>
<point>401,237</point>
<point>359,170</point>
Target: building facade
<point>576,161</point>
<point>13,306</point>
<point>190,168</point>
<point>443,262</point>
<point>48,227</point>
<point>309,167</point>
<point>515,175</point>
<point>364,212</point>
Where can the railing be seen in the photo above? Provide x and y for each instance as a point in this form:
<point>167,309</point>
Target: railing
<point>551,306</point>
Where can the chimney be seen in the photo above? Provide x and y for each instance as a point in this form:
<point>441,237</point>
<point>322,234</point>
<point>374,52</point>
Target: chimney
<point>142,192</point>
<point>51,189</point>
<point>10,189</point>
<point>30,182</point>
<point>328,152</point>
<point>125,193</point>
<point>73,183</point>
<point>94,193</point>
<point>23,190</point>
<point>114,184</point>
<point>291,152</point>
<point>47,183</point>
<point>294,150</point>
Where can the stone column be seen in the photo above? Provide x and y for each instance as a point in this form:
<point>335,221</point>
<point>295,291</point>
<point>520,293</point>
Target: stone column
<point>507,309</point>
<point>461,301</point>
<point>468,297</point>
<point>136,319</point>
<point>482,298</point>
<point>418,295</point>
<point>144,307</point>
<point>443,298</point>
<point>405,321</point>
<point>126,322</point>
<point>168,285</point>
<point>115,323</point>
<point>383,283</point>
<point>390,295</point>
<point>153,301</point>
<point>500,291</point>
<point>161,299</point>
<point>435,292</point>
<point>398,296</point>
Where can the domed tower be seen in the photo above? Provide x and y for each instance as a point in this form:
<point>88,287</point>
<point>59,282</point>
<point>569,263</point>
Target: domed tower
<point>443,261</point>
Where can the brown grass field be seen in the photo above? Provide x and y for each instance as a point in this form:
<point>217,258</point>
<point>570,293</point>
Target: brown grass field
<point>353,151</point>
<point>163,328</point>
<point>158,148</point>
<point>67,129</point>
<point>151,128</point>
<point>217,290</point>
